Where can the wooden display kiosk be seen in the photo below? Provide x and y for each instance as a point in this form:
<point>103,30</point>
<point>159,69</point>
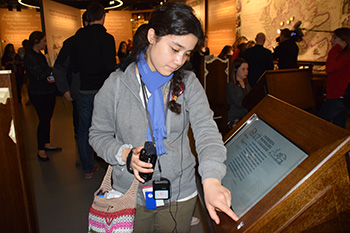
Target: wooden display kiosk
<point>315,195</point>
<point>291,85</point>
<point>17,210</point>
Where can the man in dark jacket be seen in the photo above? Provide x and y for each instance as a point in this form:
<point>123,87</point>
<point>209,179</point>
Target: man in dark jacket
<point>94,58</point>
<point>287,51</point>
<point>67,82</point>
<point>258,58</point>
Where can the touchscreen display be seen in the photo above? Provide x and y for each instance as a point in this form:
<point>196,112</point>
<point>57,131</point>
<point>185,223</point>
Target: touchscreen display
<point>258,158</point>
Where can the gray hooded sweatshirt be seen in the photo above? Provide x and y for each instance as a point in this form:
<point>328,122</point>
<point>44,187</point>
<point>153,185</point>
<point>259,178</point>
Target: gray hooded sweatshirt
<point>119,118</point>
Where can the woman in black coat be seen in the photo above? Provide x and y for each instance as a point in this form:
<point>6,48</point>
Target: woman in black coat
<point>42,91</point>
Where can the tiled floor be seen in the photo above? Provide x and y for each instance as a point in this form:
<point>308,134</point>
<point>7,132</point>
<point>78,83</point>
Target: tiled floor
<point>62,195</point>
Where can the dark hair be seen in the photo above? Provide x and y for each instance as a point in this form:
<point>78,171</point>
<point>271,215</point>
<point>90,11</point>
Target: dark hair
<point>84,18</point>
<point>7,49</point>
<point>172,18</point>
<point>202,44</point>
<point>138,42</point>
<point>235,65</point>
<point>35,37</point>
<point>26,44</point>
<point>250,43</point>
<point>242,48</point>
<point>120,46</point>
<point>224,52</point>
<point>95,11</point>
<point>344,34</point>
<point>286,33</point>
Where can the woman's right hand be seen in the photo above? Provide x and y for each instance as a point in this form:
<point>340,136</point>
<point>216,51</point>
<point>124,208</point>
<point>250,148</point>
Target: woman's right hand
<point>136,164</point>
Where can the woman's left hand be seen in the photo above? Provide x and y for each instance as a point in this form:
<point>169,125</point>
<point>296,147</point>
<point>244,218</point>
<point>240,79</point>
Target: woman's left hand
<point>217,197</point>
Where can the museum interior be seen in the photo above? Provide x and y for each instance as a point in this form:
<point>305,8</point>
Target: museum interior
<point>287,169</point>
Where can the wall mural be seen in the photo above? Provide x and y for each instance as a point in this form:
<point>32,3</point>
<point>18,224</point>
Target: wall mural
<point>316,16</point>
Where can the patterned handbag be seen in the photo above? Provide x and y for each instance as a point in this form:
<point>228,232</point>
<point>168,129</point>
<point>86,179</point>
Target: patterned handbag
<point>115,214</point>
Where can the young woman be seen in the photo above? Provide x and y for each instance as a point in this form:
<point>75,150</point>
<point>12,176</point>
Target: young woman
<point>122,51</point>
<point>156,98</point>
<point>338,77</point>
<point>42,91</point>
<point>237,89</point>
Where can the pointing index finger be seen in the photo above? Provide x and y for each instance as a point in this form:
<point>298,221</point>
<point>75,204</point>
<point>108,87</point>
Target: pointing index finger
<point>227,210</point>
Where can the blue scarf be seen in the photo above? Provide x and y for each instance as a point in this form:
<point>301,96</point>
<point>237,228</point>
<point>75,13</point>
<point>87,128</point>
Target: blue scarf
<point>155,105</point>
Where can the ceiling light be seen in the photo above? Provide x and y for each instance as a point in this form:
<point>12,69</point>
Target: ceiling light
<point>120,3</point>
<point>27,5</point>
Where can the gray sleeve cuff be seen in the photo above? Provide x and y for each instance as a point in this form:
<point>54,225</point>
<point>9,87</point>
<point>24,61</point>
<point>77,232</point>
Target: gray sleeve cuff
<point>120,152</point>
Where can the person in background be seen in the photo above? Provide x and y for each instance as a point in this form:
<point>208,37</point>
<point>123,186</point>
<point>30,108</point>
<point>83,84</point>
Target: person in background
<point>237,89</point>
<point>236,49</point>
<point>138,38</point>
<point>21,52</point>
<point>11,61</point>
<point>129,46</point>
<point>68,82</point>
<point>42,91</point>
<point>156,92</point>
<point>26,47</point>
<point>20,72</point>
<point>203,48</point>
<point>333,108</point>
<point>198,55</point>
<point>240,50</point>
<point>244,46</point>
<point>287,51</point>
<point>8,59</point>
<point>122,51</point>
<point>226,52</point>
<point>250,44</point>
<point>259,59</point>
<point>93,56</point>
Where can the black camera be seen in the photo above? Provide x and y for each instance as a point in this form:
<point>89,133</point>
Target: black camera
<point>295,34</point>
<point>149,155</point>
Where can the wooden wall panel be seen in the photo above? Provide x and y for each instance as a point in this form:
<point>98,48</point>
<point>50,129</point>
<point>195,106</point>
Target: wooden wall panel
<point>17,208</point>
<point>221,24</point>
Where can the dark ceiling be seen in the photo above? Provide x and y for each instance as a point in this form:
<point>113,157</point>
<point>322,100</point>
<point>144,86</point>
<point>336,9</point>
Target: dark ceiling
<point>82,4</point>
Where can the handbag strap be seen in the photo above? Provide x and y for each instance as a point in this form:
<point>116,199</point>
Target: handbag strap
<point>106,184</point>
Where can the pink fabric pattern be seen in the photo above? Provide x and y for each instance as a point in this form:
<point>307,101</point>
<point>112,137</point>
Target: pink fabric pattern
<point>121,221</point>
